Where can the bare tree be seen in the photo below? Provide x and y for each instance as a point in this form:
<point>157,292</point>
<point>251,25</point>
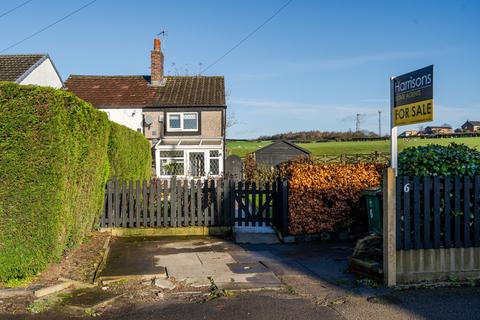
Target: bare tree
<point>231,119</point>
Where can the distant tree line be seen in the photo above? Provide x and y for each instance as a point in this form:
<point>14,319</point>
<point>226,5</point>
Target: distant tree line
<point>318,135</point>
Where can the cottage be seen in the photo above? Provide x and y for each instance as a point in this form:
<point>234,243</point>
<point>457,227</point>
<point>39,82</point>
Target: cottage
<point>36,69</point>
<point>278,152</point>
<point>182,116</point>
<point>471,126</point>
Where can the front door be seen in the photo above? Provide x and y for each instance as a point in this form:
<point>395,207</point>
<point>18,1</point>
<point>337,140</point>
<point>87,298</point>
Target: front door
<point>196,164</point>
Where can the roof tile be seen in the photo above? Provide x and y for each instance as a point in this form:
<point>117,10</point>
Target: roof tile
<point>14,66</point>
<point>121,91</point>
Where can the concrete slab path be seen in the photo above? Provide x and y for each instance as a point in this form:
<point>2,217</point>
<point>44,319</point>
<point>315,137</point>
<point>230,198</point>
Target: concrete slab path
<point>191,260</point>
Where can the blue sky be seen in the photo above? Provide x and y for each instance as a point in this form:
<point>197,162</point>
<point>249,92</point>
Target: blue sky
<point>314,66</point>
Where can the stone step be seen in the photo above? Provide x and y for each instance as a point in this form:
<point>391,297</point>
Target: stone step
<point>255,235</point>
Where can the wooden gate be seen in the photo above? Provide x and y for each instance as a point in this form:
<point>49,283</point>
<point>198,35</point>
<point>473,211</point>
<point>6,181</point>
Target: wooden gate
<point>258,204</point>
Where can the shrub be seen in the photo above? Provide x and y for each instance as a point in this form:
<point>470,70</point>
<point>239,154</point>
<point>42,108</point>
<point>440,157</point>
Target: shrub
<point>454,159</point>
<point>249,166</point>
<point>53,169</point>
<point>326,197</point>
<point>129,154</point>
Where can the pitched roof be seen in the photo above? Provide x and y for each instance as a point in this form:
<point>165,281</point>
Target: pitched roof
<point>291,144</point>
<point>473,123</point>
<point>136,91</point>
<point>14,66</point>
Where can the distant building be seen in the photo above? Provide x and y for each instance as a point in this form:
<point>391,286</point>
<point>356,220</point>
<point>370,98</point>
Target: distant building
<point>409,133</point>
<point>438,130</point>
<point>36,69</point>
<point>471,126</point>
<point>278,152</point>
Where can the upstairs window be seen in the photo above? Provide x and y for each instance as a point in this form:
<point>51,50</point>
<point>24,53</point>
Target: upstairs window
<point>182,121</point>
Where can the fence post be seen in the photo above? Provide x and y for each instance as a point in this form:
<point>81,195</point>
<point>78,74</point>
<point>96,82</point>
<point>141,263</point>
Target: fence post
<point>285,207</point>
<point>389,228</point>
<point>226,201</point>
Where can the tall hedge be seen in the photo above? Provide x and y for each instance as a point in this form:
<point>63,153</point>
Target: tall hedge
<point>436,160</point>
<point>54,164</point>
<point>129,153</point>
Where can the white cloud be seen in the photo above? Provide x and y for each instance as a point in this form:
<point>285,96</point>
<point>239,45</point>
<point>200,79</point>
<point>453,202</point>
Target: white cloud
<point>368,58</point>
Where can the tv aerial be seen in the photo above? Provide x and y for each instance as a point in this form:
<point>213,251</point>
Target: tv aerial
<point>162,33</point>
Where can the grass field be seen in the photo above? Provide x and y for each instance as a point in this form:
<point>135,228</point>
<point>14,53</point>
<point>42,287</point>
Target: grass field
<point>241,148</point>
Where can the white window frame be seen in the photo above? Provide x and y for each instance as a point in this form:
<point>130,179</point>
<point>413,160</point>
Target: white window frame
<point>182,115</point>
<point>205,148</point>
<point>170,159</point>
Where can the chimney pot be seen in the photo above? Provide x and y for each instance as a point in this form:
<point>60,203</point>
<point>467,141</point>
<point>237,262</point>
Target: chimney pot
<point>156,44</point>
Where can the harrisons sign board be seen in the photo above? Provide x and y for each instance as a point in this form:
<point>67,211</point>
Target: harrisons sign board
<point>413,97</point>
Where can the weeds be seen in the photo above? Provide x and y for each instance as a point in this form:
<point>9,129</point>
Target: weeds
<point>91,312</point>
<point>214,291</point>
<point>367,283</point>
<point>453,278</point>
<point>18,282</point>
<point>41,305</point>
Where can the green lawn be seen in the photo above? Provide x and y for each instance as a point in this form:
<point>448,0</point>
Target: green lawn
<point>241,148</point>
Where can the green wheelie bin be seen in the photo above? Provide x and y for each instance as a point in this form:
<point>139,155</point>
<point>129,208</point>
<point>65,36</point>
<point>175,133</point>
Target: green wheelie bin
<point>373,203</point>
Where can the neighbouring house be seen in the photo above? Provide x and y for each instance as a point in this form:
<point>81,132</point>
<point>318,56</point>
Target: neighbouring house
<point>408,133</point>
<point>438,130</point>
<point>278,152</point>
<point>36,69</point>
<point>471,126</point>
<point>182,116</point>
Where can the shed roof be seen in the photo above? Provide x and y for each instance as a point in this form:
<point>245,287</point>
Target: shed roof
<point>291,144</point>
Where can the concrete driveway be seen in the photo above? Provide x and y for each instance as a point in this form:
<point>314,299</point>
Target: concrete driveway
<point>193,261</point>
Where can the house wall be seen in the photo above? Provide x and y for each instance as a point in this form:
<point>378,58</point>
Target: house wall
<point>44,75</point>
<point>131,118</point>
<point>470,127</point>
<point>211,124</point>
<point>154,131</point>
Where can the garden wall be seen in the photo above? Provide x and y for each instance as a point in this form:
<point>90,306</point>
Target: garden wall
<point>326,197</point>
<point>53,169</point>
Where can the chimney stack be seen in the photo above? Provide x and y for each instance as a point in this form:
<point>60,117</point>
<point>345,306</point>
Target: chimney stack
<point>156,68</point>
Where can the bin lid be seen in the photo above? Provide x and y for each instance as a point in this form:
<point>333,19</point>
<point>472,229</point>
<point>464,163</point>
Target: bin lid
<point>371,191</point>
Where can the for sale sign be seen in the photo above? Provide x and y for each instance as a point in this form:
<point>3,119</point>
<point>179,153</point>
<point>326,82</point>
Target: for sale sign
<point>413,97</point>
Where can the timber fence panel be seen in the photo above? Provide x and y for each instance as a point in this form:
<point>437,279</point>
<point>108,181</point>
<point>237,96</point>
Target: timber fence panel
<point>438,212</point>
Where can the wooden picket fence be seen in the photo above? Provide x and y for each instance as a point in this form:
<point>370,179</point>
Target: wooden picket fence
<point>437,212</point>
<point>375,157</point>
<point>181,203</point>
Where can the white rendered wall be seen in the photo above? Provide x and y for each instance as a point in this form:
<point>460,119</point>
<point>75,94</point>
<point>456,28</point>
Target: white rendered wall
<point>131,118</point>
<point>44,75</point>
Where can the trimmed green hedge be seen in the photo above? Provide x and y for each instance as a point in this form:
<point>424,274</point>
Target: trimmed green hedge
<point>452,160</point>
<point>129,153</point>
<point>53,169</point>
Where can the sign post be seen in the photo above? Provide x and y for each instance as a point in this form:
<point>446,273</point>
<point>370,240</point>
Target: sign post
<point>393,130</point>
<point>411,100</point>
